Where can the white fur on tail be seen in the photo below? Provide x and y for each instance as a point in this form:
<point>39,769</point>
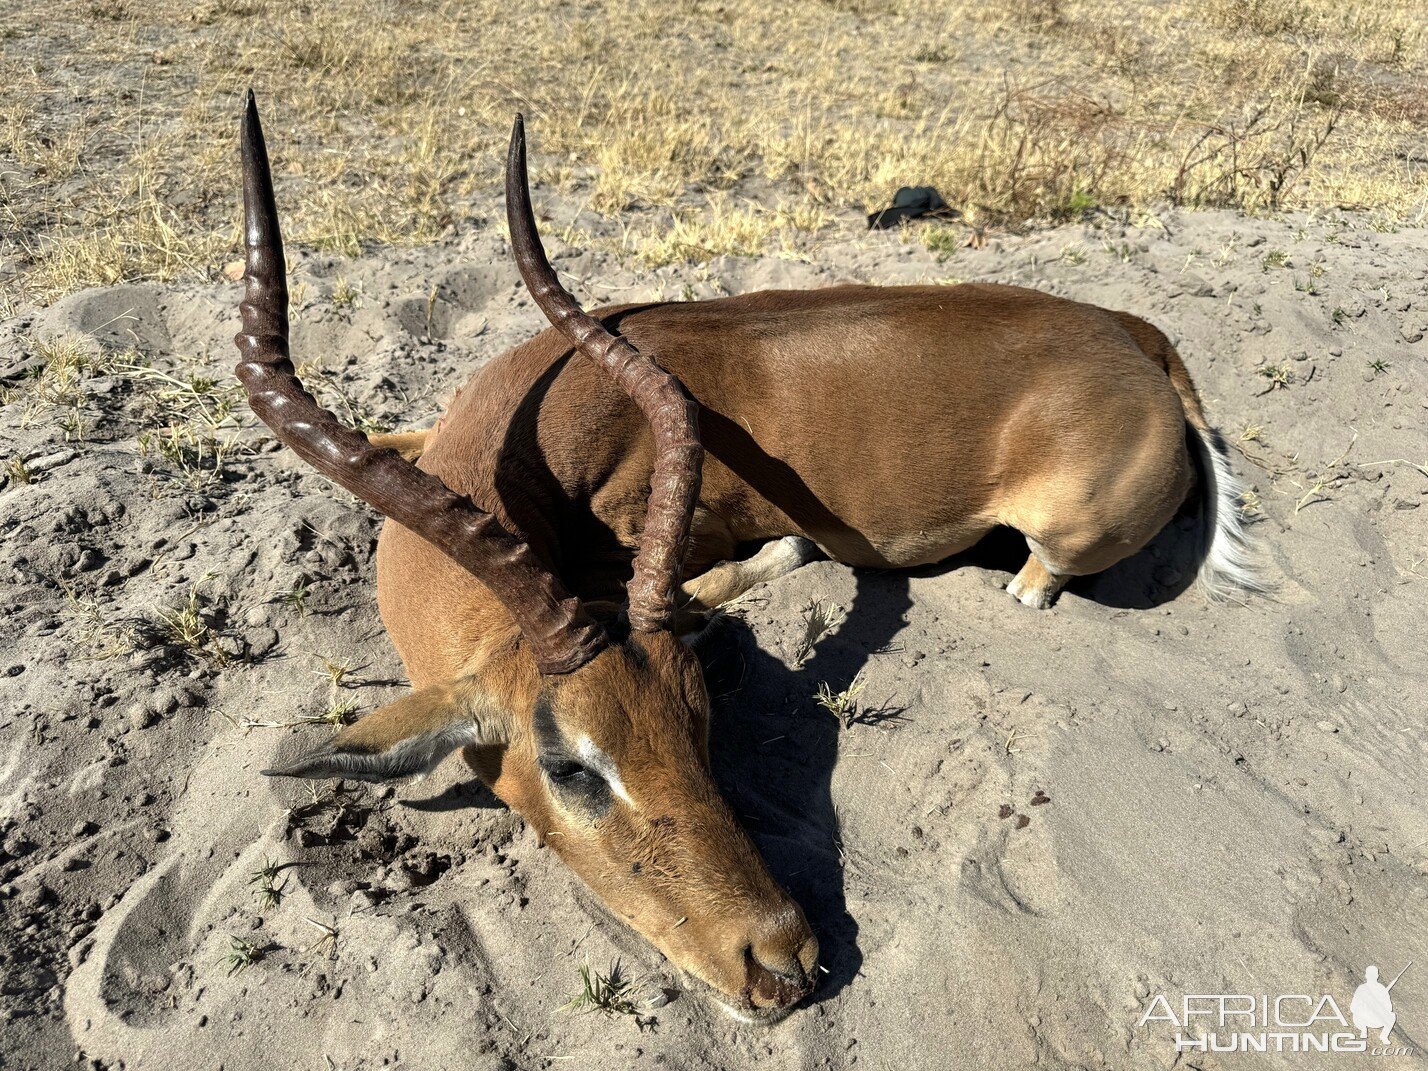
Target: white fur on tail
<point>1227,565</point>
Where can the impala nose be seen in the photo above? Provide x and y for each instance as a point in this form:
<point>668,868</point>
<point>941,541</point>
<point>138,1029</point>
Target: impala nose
<point>779,963</point>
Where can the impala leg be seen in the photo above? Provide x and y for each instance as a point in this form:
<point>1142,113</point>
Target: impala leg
<point>410,444</point>
<point>728,580</point>
<point>1036,585</point>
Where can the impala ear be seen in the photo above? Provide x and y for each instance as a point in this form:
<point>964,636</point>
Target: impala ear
<point>409,737</point>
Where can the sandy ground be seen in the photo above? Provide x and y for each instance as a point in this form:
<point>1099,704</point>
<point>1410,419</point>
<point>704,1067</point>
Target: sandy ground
<point>1235,796</point>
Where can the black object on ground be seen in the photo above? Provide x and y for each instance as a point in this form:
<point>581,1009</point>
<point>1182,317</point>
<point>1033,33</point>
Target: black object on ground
<point>912,202</point>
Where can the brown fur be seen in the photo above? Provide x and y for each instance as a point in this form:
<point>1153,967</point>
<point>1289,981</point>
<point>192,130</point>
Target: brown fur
<point>891,427</point>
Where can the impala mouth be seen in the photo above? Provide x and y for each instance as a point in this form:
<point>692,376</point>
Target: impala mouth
<point>788,993</point>
<point>752,1016</point>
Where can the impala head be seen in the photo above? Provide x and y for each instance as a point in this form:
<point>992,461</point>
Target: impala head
<point>614,773</point>
<point>599,740</point>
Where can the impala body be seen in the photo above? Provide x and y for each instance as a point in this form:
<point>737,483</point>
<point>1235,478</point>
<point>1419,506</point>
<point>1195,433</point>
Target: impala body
<point>881,427</point>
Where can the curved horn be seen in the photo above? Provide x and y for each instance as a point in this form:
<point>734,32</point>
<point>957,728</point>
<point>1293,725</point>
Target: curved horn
<point>553,622</point>
<point>673,415</point>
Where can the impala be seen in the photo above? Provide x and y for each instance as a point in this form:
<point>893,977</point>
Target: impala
<point>583,501</point>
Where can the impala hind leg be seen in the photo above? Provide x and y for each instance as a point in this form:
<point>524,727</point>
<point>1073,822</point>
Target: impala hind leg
<point>1079,550</point>
<point>1036,585</point>
<point>728,580</point>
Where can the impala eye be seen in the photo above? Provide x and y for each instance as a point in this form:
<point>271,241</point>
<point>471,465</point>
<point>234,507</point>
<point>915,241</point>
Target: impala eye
<point>565,771</point>
<point>576,785</point>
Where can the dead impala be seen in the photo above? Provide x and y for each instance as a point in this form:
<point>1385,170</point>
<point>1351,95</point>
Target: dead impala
<point>638,449</point>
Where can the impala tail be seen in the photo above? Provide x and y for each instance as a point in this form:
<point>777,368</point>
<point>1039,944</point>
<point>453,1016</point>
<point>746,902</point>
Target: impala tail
<point>1228,567</point>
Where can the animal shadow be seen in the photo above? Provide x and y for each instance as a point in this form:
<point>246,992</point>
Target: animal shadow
<point>773,751</point>
<point>1157,573</point>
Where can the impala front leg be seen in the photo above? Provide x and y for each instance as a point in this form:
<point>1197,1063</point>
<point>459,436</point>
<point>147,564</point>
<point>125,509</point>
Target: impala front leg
<point>728,580</point>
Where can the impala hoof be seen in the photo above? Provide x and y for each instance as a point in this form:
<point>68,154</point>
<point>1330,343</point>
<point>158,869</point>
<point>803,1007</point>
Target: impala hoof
<point>1036,599</point>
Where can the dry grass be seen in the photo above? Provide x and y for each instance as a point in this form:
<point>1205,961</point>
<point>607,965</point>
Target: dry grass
<point>710,128</point>
<point>58,381</point>
<point>720,228</point>
<point>104,635</point>
<point>819,619</point>
<point>189,627</point>
<point>842,705</point>
<point>187,418</point>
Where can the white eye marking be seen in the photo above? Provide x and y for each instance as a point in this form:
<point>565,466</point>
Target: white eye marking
<point>591,755</point>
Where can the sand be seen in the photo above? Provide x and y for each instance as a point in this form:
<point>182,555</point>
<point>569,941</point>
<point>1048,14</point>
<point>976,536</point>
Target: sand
<point>1199,798</point>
